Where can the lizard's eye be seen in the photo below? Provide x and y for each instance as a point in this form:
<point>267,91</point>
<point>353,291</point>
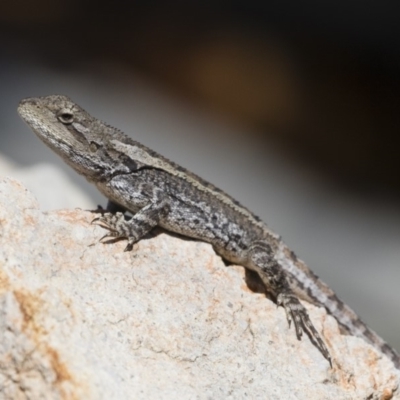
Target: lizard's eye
<point>93,147</point>
<point>66,117</point>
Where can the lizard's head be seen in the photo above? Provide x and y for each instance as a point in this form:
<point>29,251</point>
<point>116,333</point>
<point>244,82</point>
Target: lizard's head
<point>80,139</point>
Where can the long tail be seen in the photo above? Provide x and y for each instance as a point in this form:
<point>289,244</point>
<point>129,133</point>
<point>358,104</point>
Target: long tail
<point>309,287</point>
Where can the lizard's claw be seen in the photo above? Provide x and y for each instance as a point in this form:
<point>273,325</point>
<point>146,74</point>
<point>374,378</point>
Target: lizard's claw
<point>117,228</point>
<point>114,223</point>
<point>297,313</point>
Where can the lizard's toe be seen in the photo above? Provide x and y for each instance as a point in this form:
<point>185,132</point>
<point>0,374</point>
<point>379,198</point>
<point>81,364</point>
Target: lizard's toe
<point>297,313</point>
<point>115,223</point>
<point>118,228</point>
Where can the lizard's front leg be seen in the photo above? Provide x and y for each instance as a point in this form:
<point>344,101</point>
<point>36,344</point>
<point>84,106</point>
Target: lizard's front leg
<point>139,225</point>
<point>260,258</point>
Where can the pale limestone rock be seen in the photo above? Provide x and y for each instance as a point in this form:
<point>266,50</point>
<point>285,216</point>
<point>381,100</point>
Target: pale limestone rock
<point>84,320</point>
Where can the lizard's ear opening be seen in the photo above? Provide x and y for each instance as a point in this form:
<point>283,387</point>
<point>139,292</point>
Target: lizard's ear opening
<point>93,147</point>
<point>66,117</point>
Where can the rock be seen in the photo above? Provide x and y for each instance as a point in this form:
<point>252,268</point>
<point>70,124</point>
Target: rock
<point>85,320</point>
<point>50,185</point>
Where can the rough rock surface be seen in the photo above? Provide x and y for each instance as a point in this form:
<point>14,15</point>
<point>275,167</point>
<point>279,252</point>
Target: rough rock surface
<point>84,320</point>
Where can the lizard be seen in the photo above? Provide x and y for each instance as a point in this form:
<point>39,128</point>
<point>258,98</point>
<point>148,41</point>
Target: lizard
<point>158,192</point>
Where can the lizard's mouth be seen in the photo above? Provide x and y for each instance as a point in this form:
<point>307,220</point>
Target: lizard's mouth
<point>63,138</point>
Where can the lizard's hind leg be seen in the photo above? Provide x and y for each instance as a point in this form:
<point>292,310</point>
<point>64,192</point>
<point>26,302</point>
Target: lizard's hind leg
<point>260,258</point>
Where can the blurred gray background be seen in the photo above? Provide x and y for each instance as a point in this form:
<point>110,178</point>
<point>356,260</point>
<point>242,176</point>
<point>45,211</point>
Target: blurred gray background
<point>293,108</point>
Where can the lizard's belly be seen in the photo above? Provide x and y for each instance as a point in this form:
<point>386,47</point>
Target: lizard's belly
<point>229,239</point>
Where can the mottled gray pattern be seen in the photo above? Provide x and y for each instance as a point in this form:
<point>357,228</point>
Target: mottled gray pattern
<point>159,192</point>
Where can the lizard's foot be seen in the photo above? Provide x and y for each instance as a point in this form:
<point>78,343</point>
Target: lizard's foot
<point>297,313</point>
<point>118,228</point>
<point>136,227</point>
